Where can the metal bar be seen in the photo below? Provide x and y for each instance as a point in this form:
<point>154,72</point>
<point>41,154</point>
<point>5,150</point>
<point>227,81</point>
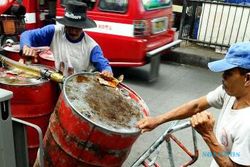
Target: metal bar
<point>196,152</point>
<point>232,26</point>
<point>170,153</point>
<point>40,135</point>
<point>207,23</point>
<point>152,161</point>
<point>182,18</point>
<point>178,142</point>
<point>244,35</point>
<point>213,23</point>
<point>154,68</point>
<point>220,23</point>
<point>20,142</point>
<point>239,25</point>
<point>194,156</point>
<point>200,23</point>
<point>192,21</point>
<point>167,46</point>
<point>226,26</point>
<point>173,128</point>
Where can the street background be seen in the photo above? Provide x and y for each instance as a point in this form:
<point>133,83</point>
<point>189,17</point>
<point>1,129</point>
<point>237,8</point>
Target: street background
<point>176,85</point>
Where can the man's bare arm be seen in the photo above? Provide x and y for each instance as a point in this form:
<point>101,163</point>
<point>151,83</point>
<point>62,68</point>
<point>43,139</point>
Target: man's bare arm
<point>184,111</point>
<point>204,124</point>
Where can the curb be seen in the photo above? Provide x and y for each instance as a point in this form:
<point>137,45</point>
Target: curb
<point>194,55</point>
<point>190,59</point>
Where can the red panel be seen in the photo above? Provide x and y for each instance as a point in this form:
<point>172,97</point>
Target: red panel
<point>6,5</point>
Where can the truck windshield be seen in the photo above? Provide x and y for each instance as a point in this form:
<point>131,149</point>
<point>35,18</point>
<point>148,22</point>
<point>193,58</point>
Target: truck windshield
<point>90,3</point>
<point>113,5</point>
<point>155,4</point>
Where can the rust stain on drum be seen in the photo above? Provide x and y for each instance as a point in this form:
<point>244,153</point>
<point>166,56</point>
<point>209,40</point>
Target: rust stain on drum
<point>106,105</point>
<point>111,107</point>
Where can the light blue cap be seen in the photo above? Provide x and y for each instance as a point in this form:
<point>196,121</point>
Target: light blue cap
<point>238,55</point>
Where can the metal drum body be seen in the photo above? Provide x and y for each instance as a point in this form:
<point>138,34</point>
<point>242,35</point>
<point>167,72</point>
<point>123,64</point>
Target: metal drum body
<point>12,51</point>
<point>33,103</point>
<point>74,140</point>
<point>47,58</point>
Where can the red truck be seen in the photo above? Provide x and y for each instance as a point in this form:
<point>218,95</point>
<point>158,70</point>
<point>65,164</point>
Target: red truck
<point>131,33</point>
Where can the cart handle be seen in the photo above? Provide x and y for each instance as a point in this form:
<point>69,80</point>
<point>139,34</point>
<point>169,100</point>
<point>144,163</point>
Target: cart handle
<point>173,128</point>
<point>193,156</point>
<point>40,135</point>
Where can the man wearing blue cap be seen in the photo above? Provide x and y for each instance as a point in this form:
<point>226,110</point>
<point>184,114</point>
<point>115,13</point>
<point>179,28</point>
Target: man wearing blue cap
<point>230,144</point>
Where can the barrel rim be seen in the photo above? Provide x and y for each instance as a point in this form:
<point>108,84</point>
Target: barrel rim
<point>41,56</point>
<point>94,123</point>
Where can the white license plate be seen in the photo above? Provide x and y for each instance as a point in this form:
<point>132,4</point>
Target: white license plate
<point>159,25</point>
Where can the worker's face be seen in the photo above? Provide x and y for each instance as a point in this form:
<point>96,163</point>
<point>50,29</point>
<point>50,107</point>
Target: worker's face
<point>233,82</point>
<point>73,33</point>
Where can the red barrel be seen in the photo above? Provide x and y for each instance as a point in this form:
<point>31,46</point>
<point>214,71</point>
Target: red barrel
<point>46,57</point>
<point>75,138</point>
<point>12,51</point>
<point>33,101</point>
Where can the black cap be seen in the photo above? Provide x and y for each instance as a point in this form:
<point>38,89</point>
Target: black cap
<point>76,16</point>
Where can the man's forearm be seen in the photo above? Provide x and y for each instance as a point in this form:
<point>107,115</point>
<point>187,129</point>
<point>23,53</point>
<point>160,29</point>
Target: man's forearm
<point>186,110</point>
<point>218,151</point>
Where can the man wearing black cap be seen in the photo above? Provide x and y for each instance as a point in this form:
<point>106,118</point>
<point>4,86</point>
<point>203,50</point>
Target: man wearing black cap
<point>73,50</point>
<point>230,144</point>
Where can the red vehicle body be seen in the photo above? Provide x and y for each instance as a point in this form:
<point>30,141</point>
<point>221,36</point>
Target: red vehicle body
<point>131,33</point>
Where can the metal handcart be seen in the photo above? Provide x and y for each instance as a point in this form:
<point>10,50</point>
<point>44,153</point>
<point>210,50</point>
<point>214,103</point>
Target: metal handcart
<point>145,159</point>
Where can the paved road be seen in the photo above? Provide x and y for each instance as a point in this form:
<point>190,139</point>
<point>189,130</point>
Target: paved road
<point>176,85</point>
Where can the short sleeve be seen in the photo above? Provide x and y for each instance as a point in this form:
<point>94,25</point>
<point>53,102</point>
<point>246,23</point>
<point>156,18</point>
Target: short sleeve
<point>216,97</point>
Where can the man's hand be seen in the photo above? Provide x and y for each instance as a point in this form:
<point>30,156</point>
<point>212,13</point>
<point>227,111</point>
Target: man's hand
<point>147,124</point>
<point>107,74</point>
<point>203,123</point>
<point>30,53</point>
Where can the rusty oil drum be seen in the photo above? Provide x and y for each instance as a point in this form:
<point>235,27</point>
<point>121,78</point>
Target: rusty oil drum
<point>12,51</point>
<point>73,139</point>
<point>33,101</point>
<point>46,57</point>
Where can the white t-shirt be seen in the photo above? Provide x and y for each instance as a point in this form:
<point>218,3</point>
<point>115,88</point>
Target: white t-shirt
<point>233,127</point>
<point>74,56</point>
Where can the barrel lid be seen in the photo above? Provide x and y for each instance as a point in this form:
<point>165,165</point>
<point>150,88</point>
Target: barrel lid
<point>112,109</point>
